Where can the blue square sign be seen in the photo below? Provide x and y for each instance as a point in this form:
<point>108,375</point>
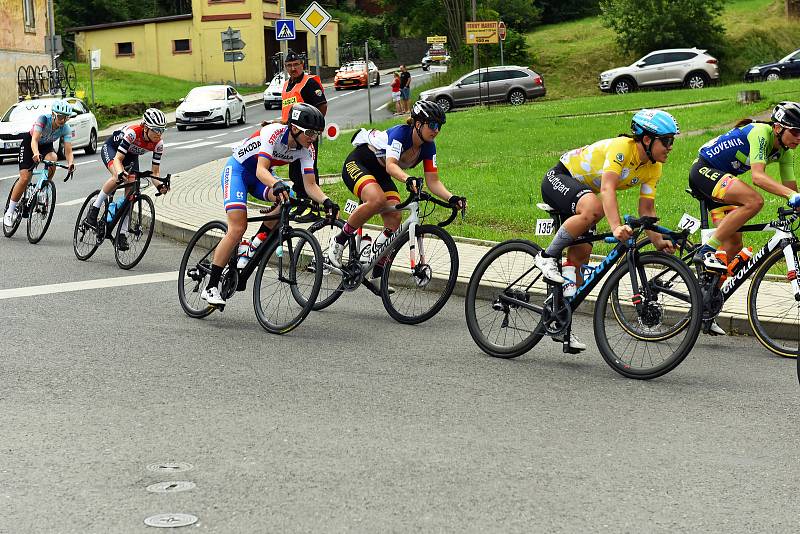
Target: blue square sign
<point>284,29</point>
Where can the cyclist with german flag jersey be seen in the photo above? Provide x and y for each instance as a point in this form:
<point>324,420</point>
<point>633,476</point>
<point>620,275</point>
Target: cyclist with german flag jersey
<point>583,187</point>
<point>750,146</point>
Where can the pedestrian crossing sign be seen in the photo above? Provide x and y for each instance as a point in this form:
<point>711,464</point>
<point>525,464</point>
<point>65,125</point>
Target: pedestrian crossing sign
<point>284,29</point>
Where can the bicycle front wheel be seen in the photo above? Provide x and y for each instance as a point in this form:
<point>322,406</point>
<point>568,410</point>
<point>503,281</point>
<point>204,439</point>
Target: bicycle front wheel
<point>332,286</point>
<point>501,291</point>
<point>9,231</point>
<point>283,273</point>
<point>772,308</point>
<point>141,223</point>
<point>646,332</point>
<point>41,212</point>
<point>86,240</point>
<point>420,290</point>
<point>196,268</point>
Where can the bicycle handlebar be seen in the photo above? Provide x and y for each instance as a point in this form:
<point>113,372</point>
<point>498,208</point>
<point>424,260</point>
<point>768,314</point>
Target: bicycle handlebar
<point>427,197</point>
<point>47,164</point>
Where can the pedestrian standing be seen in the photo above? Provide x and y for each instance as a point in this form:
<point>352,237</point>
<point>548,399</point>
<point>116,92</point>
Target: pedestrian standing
<point>396,92</point>
<point>405,89</point>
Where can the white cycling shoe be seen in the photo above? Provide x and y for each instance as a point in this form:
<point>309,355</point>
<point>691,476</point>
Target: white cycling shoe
<point>8,220</point>
<point>335,250</point>
<point>716,330</point>
<point>212,296</point>
<point>549,268</point>
<point>574,342</point>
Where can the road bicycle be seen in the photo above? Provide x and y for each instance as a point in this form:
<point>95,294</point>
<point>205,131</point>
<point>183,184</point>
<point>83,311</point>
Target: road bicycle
<point>285,286</point>
<point>421,287</point>
<point>37,203</point>
<point>644,327</point>
<point>135,205</point>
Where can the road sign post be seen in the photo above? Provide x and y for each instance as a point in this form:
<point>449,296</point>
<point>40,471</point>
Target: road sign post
<point>501,32</point>
<point>315,18</point>
<point>366,66</point>
<point>232,45</point>
<point>94,64</point>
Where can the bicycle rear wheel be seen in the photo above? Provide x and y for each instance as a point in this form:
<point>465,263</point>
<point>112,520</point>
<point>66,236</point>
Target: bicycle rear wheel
<point>142,215</point>
<point>422,290</point>
<point>9,231</point>
<point>86,240</point>
<point>195,268</point>
<point>282,273</point>
<point>659,325</point>
<point>41,212</point>
<point>504,282</point>
<point>772,309</point>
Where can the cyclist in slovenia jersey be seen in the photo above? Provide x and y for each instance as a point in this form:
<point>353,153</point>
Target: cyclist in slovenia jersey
<point>249,170</point>
<point>380,158</point>
<point>750,146</point>
<point>573,185</point>
<point>39,140</point>
<point>121,151</point>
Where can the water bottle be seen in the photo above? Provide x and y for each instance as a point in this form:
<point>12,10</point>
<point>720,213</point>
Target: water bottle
<point>248,251</point>
<point>113,207</point>
<point>740,260</point>
<point>568,271</point>
<point>366,248</point>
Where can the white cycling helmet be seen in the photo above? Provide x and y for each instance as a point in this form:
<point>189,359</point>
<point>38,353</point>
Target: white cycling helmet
<point>154,118</point>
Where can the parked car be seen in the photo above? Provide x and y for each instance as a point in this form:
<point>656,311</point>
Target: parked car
<point>354,74</point>
<point>272,94</point>
<point>435,55</point>
<point>19,118</point>
<point>210,104</point>
<point>510,84</point>
<point>687,67</point>
<point>787,67</point>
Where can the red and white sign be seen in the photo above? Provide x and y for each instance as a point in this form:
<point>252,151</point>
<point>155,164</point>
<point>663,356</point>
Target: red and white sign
<point>332,131</point>
<point>501,30</point>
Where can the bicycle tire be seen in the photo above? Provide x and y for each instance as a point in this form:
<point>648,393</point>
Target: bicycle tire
<point>513,259</point>
<point>71,77</point>
<point>85,241</point>
<point>9,231</point>
<point>275,260</point>
<point>332,287</point>
<point>61,73</point>
<point>140,232</point>
<point>193,272</point>
<point>42,211</point>
<point>33,85</point>
<point>415,285</point>
<point>652,313</point>
<point>22,82</point>
<point>765,332</point>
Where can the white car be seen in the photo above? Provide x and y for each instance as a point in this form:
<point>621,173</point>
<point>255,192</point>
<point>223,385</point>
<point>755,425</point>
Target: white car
<point>272,94</point>
<point>210,104</point>
<point>19,118</point>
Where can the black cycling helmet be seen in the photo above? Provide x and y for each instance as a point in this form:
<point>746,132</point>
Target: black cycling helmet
<point>306,117</point>
<point>787,114</point>
<point>426,111</point>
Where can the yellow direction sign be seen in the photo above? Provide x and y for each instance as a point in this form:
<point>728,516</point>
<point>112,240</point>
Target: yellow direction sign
<point>315,18</point>
<point>437,39</point>
<point>482,32</point>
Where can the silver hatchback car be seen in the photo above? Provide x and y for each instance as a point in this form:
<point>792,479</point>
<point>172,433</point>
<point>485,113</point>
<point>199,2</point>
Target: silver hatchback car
<point>510,84</point>
<point>687,67</point>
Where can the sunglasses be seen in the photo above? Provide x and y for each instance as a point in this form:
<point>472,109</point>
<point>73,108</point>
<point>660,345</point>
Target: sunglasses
<point>61,116</point>
<point>158,131</point>
<point>434,125</point>
<point>794,131</point>
<point>309,132</point>
<point>666,141</point>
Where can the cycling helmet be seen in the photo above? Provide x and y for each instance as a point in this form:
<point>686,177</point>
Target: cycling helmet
<point>61,107</point>
<point>154,118</point>
<point>787,114</point>
<point>306,117</point>
<point>426,111</point>
<point>654,122</point>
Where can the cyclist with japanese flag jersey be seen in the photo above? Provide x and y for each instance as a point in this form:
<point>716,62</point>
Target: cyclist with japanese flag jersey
<point>249,170</point>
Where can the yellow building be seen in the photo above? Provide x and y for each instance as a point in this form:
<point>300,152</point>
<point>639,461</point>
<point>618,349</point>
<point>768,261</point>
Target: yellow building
<point>190,46</point>
<point>23,27</point>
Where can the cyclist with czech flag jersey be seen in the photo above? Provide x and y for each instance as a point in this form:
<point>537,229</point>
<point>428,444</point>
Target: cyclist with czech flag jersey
<point>45,131</point>
<point>378,160</point>
<point>583,187</point>
<point>750,146</point>
<point>249,170</point>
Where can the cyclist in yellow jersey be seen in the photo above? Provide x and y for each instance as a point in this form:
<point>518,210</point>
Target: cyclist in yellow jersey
<point>583,187</point>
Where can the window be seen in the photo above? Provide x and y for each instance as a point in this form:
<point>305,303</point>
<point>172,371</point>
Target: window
<point>680,56</point>
<point>125,49</point>
<point>472,78</point>
<point>28,15</point>
<point>182,46</point>
<point>655,59</point>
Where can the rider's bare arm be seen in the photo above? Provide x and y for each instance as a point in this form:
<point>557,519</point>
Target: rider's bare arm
<point>767,183</point>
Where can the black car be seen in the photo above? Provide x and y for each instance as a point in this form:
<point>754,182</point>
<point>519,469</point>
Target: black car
<point>787,67</point>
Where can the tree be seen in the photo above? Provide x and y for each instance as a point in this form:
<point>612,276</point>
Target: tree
<point>644,25</point>
<point>561,10</point>
<point>521,15</point>
<point>455,10</point>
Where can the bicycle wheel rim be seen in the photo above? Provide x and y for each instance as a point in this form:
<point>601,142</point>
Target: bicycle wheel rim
<point>652,350</point>
<point>420,292</point>
<point>195,268</point>
<point>84,239</point>
<point>9,231</point>
<point>141,224</point>
<point>41,212</point>
<point>332,287</point>
<point>505,275</point>
<point>276,308</point>
<point>774,313</point>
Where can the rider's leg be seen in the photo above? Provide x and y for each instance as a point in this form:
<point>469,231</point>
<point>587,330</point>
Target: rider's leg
<point>748,201</point>
<point>19,188</point>
<point>237,225</point>
<point>51,156</point>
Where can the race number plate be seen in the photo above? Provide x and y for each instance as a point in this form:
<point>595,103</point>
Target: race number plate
<point>689,223</point>
<point>544,226</point>
<point>350,206</point>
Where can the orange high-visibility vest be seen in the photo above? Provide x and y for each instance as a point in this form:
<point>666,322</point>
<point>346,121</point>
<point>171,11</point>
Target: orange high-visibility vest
<point>289,98</point>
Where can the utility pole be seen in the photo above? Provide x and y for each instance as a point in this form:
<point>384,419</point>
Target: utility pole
<point>51,24</point>
<point>284,44</point>
<point>474,47</point>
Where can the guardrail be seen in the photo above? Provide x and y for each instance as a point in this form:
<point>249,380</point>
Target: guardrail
<point>35,81</point>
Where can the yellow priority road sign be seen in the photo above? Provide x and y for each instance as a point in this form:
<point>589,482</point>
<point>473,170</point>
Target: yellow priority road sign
<point>315,18</point>
<point>482,32</point>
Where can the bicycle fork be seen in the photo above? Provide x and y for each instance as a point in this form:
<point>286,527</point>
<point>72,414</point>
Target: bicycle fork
<point>791,265</point>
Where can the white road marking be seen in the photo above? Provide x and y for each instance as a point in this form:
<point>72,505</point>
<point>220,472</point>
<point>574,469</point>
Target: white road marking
<point>71,202</point>
<point>195,145</point>
<point>229,145</point>
<point>218,135</point>
<point>77,164</point>
<point>243,129</point>
<point>382,107</point>
<point>85,162</point>
<point>9,177</point>
<point>120,281</point>
<point>169,145</point>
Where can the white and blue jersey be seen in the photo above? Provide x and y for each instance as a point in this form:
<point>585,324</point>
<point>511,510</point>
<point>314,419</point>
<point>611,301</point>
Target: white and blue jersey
<point>239,175</point>
<point>44,126</point>
<point>395,143</point>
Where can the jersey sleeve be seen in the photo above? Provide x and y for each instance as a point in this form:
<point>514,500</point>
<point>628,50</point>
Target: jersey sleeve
<point>786,165</point>
<point>158,151</point>
<point>267,148</point>
<point>307,160</point>
<point>128,137</point>
<point>395,143</point>
<point>313,93</point>
<point>428,157</point>
<point>760,143</point>
<point>648,189</point>
<point>618,154</point>
<point>67,133</point>
<point>40,124</point>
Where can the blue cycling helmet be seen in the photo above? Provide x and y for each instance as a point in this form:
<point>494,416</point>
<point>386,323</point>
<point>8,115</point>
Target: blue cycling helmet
<point>654,122</point>
<point>61,107</point>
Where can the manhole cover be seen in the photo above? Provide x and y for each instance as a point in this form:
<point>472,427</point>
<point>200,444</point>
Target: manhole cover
<point>170,467</point>
<point>170,520</point>
<point>170,486</point>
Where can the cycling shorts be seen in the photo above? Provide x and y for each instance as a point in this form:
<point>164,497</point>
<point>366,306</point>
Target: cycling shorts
<point>562,191</point>
<point>109,152</point>
<point>712,184</point>
<point>362,168</point>
<point>237,181</point>
<point>25,157</point>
